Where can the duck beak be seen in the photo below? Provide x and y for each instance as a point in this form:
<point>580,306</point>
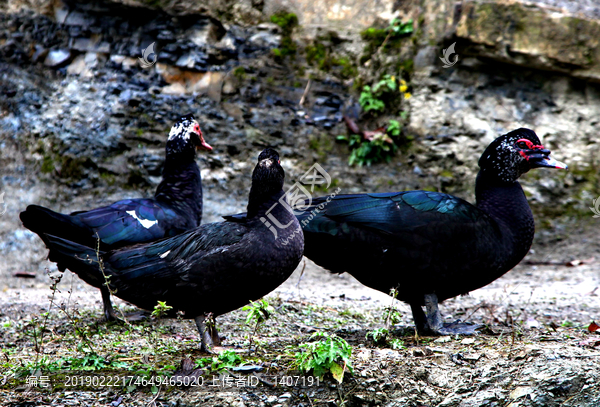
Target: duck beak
<point>203,145</point>
<point>541,158</point>
<point>552,163</point>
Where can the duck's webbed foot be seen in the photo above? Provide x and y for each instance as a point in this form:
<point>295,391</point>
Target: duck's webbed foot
<point>209,336</point>
<point>431,323</point>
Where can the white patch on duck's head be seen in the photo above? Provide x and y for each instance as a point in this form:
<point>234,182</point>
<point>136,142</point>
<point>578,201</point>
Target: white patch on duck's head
<point>267,162</point>
<point>144,222</point>
<point>186,136</point>
<point>183,128</point>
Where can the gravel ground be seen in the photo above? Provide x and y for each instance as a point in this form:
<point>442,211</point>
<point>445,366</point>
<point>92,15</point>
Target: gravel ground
<point>535,349</point>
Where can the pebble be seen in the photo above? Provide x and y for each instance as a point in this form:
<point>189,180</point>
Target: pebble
<point>57,58</point>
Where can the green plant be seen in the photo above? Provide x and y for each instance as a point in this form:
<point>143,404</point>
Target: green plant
<point>329,354</point>
<point>397,344</point>
<point>379,148</point>
<point>397,27</point>
<point>316,53</point>
<point>373,146</point>
<point>392,315</point>
<point>258,312</point>
<point>379,145</point>
<point>381,336</point>
<point>106,277</point>
<point>393,128</point>
<point>161,309</point>
<point>378,335</point>
<point>383,93</point>
<point>224,360</point>
<point>38,331</point>
<point>369,101</point>
<point>89,362</point>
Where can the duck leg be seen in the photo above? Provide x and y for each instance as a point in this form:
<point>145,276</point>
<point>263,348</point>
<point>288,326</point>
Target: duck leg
<point>209,337</point>
<point>419,318</point>
<point>109,312</point>
<point>430,323</point>
<point>434,316</point>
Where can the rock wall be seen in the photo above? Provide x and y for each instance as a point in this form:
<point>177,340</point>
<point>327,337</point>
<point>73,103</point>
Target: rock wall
<point>83,124</point>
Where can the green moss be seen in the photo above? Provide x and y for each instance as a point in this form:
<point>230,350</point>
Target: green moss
<point>316,53</point>
<point>71,167</point>
<point>322,144</point>
<point>277,54</point>
<point>393,37</point>
<point>108,177</point>
<point>374,35</point>
<point>588,177</point>
<point>287,21</point>
<point>240,72</point>
<point>348,70</point>
<point>408,66</point>
<point>288,46</point>
<point>322,56</point>
<point>47,164</point>
<point>374,38</point>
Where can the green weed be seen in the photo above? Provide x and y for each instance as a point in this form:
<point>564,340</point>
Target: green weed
<point>258,312</point>
<point>161,309</point>
<point>331,354</point>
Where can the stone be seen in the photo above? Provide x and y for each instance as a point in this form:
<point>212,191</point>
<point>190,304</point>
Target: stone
<point>89,45</point>
<point>265,39</point>
<point>535,36</point>
<point>77,66</point>
<point>174,89</point>
<point>57,58</point>
<point>230,85</point>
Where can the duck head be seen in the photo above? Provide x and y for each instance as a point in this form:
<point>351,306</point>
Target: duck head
<point>515,153</point>
<point>185,137</point>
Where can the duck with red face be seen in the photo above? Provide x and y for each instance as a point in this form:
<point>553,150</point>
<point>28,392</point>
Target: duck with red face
<point>430,246</point>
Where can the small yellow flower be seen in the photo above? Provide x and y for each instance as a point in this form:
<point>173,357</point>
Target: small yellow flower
<point>393,78</point>
<point>403,88</point>
<point>407,96</point>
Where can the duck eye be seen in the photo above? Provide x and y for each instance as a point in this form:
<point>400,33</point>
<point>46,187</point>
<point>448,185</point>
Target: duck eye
<point>524,144</point>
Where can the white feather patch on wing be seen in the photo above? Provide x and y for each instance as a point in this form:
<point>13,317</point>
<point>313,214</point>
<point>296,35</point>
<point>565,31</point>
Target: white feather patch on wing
<point>165,254</point>
<point>144,222</point>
